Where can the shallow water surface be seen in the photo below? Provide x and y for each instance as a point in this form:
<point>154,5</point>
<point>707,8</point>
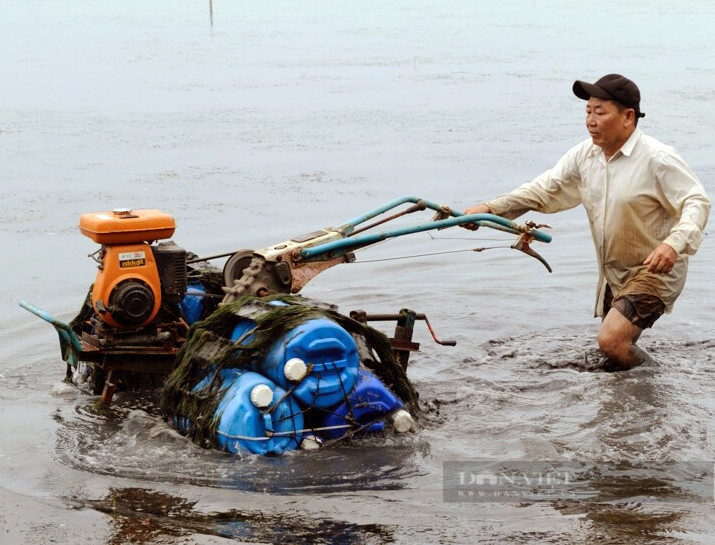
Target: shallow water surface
<point>255,122</point>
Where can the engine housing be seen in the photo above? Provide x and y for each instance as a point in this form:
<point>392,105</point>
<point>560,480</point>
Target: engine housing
<point>134,276</point>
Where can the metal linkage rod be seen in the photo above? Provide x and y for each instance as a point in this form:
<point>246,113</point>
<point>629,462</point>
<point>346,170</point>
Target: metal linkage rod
<point>342,246</point>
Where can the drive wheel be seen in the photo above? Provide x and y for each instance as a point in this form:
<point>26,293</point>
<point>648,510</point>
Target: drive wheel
<point>233,269</point>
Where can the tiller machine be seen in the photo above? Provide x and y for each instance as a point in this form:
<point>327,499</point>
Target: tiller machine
<point>150,295</point>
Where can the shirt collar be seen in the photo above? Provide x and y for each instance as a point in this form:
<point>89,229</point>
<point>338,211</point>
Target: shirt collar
<point>626,148</point>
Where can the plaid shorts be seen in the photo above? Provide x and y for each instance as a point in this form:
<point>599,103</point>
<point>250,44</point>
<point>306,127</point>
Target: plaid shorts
<point>641,309</point>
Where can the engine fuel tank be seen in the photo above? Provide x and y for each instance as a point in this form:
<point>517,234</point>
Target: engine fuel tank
<point>124,226</point>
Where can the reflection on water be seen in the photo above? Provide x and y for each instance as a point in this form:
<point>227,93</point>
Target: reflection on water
<point>144,516</point>
<point>253,122</point>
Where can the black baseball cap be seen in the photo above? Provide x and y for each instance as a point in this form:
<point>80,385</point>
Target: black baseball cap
<point>611,87</point>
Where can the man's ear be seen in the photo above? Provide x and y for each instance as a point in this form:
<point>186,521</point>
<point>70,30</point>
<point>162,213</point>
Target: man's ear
<point>630,116</point>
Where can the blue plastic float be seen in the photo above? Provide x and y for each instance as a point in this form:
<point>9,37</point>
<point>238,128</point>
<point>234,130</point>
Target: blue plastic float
<point>254,416</point>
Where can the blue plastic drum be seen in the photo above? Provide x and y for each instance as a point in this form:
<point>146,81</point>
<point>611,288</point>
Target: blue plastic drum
<point>318,360</point>
<point>192,305</point>
<point>366,405</point>
<point>256,415</point>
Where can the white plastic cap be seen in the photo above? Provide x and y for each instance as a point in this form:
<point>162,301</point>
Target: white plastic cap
<point>262,396</point>
<point>310,442</point>
<point>295,369</point>
<point>402,421</point>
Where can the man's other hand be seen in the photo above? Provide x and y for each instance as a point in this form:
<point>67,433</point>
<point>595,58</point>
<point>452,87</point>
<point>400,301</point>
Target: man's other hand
<point>662,259</point>
<point>477,209</point>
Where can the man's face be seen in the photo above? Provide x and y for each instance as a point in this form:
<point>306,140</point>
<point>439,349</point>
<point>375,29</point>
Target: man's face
<point>608,127</point>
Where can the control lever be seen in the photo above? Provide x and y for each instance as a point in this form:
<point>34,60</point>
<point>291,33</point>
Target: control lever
<point>523,243</point>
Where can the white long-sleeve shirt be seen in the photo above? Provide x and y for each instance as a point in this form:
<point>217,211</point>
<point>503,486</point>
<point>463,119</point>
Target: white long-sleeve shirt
<point>644,195</point>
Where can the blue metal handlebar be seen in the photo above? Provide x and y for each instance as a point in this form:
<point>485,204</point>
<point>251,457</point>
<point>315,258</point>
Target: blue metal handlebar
<point>345,245</point>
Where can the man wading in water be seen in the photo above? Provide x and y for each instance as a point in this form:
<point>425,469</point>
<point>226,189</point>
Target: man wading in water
<point>646,209</point>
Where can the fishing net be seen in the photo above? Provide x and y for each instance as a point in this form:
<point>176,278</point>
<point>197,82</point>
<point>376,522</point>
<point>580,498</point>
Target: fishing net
<point>208,350</point>
<point>79,322</point>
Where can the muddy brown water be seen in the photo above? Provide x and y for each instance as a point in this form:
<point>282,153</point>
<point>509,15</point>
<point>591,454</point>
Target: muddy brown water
<point>254,122</point>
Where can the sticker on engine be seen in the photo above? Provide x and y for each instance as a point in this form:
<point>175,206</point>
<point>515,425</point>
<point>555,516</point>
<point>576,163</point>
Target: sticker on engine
<point>132,259</point>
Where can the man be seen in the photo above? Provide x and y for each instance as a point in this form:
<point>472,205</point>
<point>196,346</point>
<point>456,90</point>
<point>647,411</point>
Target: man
<point>646,209</point>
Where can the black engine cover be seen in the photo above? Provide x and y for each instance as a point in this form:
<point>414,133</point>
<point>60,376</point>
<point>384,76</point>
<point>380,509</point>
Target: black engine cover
<point>131,303</point>
<point>171,262</point>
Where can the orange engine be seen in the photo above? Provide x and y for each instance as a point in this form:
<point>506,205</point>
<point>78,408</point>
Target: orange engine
<point>134,275</point>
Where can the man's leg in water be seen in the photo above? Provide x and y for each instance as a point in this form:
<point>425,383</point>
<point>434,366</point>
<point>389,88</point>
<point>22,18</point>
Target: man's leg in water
<point>617,338</point>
